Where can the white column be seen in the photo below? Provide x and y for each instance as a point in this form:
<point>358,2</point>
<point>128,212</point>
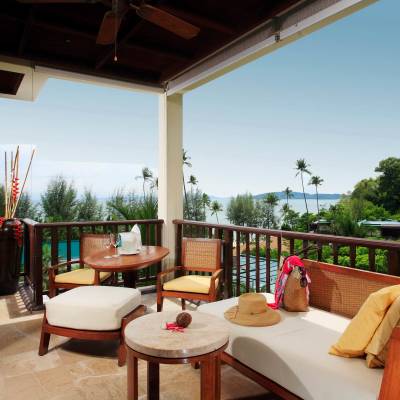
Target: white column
<point>170,198</point>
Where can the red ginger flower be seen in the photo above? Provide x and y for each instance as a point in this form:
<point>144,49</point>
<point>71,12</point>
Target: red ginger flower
<point>18,234</point>
<point>15,188</point>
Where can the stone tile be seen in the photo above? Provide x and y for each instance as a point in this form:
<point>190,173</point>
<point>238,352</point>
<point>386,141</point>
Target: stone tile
<point>24,387</point>
<point>26,362</point>
<point>103,387</point>
<point>15,341</point>
<point>71,394</point>
<point>12,309</point>
<point>55,380</point>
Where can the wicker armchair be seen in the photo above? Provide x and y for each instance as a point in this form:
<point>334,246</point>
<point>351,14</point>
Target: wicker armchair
<point>83,276</point>
<point>198,255</point>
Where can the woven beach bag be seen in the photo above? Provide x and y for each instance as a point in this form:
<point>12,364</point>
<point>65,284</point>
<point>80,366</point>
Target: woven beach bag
<point>295,296</point>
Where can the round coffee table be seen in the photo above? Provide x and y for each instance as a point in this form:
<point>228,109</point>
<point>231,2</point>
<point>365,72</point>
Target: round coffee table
<point>202,342</point>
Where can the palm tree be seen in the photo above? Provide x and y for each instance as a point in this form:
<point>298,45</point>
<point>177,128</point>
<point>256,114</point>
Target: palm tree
<point>187,163</point>
<point>302,168</point>
<point>146,176</point>
<point>316,181</point>
<point>272,199</point>
<point>215,208</point>
<point>206,201</point>
<point>154,183</point>
<point>289,194</point>
<point>192,181</point>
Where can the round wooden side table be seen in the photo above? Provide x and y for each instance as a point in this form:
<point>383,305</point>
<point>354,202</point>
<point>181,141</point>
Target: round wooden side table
<point>202,342</point>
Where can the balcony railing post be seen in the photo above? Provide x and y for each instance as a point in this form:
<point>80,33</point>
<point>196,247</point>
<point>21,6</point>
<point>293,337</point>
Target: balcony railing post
<point>393,262</point>
<point>37,268</point>
<point>158,238</point>
<point>371,259</point>
<point>178,244</point>
<point>27,253</point>
<point>228,262</point>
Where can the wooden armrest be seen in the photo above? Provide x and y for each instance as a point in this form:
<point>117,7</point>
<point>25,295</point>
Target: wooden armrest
<point>63,264</point>
<point>214,277</point>
<point>168,271</point>
<point>216,274</point>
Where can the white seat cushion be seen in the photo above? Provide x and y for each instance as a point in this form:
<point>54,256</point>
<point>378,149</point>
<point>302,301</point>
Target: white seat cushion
<point>95,308</point>
<point>294,354</point>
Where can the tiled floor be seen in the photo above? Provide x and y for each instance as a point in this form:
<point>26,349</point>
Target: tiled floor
<point>88,370</point>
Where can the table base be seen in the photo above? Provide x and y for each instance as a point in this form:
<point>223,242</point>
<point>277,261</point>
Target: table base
<point>210,373</point>
<point>130,279</point>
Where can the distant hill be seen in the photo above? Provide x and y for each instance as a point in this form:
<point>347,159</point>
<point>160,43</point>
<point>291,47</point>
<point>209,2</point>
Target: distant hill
<point>296,196</point>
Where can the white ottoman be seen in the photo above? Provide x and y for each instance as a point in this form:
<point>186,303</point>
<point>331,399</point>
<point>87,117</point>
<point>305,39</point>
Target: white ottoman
<point>91,312</point>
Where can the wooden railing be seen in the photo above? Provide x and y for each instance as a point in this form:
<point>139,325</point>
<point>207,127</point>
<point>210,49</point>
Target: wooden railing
<point>252,254</point>
<point>42,244</point>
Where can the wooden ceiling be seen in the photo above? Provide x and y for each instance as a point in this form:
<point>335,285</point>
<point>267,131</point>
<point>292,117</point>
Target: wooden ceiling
<point>63,36</point>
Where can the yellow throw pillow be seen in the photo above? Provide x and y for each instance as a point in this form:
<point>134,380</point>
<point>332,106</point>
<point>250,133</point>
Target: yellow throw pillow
<point>362,327</point>
<point>377,348</point>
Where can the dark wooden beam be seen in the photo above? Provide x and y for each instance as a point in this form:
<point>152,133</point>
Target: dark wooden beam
<point>123,74</point>
<point>155,50</point>
<point>162,51</point>
<point>199,20</point>
<point>26,33</point>
<point>64,29</point>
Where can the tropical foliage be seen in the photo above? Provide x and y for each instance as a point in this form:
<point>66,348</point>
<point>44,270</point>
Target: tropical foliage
<point>59,201</point>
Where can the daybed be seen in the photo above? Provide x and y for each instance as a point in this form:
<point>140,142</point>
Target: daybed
<point>291,358</point>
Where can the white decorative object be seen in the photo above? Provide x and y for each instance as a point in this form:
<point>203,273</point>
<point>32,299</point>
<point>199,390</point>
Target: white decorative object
<point>131,242</point>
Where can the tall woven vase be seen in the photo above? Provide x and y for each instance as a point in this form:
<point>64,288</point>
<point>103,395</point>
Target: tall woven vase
<point>10,258</point>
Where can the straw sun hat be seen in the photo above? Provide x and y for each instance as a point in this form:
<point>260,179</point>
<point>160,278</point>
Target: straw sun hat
<point>252,310</point>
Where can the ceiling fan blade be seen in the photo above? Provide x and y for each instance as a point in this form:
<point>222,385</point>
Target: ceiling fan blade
<point>109,28</point>
<point>167,21</point>
<point>55,1</point>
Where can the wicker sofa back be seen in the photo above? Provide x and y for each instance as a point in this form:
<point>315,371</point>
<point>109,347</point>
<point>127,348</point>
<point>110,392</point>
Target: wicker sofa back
<point>343,290</point>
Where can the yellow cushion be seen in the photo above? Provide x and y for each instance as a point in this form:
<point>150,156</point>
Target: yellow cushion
<point>361,329</point>
<point>190,284</point>
<point>81,276</point>
<point>378,346</point>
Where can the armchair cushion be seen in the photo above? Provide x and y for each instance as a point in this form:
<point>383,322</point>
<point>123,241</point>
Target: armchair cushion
<point>81,276</point>
<point>190,284</point>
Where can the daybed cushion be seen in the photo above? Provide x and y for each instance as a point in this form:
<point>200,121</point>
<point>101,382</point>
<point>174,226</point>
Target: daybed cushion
<point>294,354</point>
<point>360,331</point>
<point>190,284</point>
<point>81,276</point>
<point>98,308</point>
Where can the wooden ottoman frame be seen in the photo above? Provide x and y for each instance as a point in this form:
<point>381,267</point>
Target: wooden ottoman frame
<point>82,334</point>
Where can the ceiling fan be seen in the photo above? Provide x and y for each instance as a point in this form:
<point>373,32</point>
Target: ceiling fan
<point>119,8</point>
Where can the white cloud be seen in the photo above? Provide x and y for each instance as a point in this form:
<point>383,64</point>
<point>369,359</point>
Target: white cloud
<point>103,178</point>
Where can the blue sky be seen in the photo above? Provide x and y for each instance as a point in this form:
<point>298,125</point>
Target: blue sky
<point>332,98</point>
